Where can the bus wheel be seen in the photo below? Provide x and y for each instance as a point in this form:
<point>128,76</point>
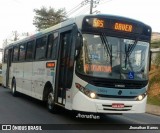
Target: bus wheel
<point>14,92</point>
<point>50,103</point>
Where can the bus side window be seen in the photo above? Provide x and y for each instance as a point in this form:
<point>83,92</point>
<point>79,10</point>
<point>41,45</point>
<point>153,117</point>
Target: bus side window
<point>50,45</point>
<point>15,54</point>
<point>54,47</point>
<point>5,56</point>
<point>22,51</point>
<point>40,48</point>
<point>29,50</point>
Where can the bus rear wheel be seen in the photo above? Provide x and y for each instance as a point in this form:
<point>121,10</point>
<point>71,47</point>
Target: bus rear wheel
<point>14,92</point>
<point>50,103</point>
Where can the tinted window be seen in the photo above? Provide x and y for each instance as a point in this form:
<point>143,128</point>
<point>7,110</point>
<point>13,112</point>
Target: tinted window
<point>29,51</point>
<point>50,44</point>
<point>5,55</point>
<point>15,53</point>
<point>22,50</point>
<point>54,48</point>
<point>40,48</point>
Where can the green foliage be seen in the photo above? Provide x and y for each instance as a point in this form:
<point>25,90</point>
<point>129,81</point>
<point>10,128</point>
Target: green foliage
<point>154,100</point>
<point>153,80</point>
<point>46,18</point>
<point>155,44</point>
<point>157,60</point>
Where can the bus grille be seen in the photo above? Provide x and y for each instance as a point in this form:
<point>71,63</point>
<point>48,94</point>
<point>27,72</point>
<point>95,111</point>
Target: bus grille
<point>129,98</point>
<point>115,84</point>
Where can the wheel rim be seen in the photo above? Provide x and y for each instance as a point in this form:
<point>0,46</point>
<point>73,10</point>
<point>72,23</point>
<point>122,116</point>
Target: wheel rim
<point>50,100</point>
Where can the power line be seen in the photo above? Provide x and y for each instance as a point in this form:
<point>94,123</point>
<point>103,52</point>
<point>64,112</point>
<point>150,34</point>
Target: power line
<point>91,3</point>
<point>83,11</point>
<point>104,1</point>
<point>73,9</point>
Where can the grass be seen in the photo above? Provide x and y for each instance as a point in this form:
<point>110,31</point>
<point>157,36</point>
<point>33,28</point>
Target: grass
<point>154,100</point>
<point>155,44</point>
<point>154,86</point>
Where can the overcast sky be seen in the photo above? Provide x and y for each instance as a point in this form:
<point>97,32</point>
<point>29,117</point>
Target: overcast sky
<point>18,14</point>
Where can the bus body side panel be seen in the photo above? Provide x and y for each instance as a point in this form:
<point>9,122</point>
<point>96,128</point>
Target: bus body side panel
<point>31,77</point>
<point>70,93</point>
<point>15,72</point>
<point>19,76</point>
<point>40,76</point>
<point>27,78</point>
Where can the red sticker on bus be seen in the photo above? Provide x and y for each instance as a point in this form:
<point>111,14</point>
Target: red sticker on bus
<point>117,105</point>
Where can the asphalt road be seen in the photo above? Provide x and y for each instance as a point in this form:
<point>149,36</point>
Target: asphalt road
<point>26,110</point>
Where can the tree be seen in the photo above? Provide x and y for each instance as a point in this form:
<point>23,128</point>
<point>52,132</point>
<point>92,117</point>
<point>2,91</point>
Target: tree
<point>46,18</point>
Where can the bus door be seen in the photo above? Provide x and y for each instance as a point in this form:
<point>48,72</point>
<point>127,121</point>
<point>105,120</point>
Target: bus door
<point>65,64</point>
<point>9,58</point>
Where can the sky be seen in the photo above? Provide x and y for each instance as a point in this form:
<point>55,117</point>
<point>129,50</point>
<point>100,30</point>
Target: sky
<point>17,15</point>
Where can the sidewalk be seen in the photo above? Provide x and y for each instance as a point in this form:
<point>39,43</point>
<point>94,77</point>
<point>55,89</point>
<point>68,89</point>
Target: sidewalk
<point>153,109</point>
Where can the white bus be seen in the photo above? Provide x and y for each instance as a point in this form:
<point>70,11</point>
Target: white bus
<point>91,63</point>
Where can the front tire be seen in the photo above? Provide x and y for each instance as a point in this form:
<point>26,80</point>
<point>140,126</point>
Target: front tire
<point>50,104</point>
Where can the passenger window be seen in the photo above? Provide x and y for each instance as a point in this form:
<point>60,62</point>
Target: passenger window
<point>29,51</point>
<point>50,44</point>
<point>40,48</point>
<point>22,51</point>
<point>54,48</point>
<point>15,53</point>
<point>6,55</point>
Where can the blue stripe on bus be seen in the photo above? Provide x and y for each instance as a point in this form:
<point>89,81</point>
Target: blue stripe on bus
<point>114,91</point>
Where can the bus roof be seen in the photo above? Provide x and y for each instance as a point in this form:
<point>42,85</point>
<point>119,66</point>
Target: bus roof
<point>78,20</point>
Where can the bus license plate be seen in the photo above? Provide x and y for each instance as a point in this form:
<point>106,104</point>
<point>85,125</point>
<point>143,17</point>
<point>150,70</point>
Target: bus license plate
<point>117,105</point>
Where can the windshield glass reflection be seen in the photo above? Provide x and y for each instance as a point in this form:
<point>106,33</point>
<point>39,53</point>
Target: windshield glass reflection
<point>114,58</point>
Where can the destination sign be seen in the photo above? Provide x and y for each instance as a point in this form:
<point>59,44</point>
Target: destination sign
<point>98,23</point>
<point>123,27</point>
<point>113,24</point>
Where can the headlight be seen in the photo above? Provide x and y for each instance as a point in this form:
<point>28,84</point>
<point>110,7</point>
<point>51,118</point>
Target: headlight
<point>141,97</point>
<point>86,91</point>
<point>92,95</point>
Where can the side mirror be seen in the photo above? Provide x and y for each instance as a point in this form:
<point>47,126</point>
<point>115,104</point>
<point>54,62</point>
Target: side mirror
<point>79,41</point>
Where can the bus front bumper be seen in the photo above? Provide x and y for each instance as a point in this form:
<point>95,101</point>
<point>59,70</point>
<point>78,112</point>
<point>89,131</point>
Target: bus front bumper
<point>83,103</point>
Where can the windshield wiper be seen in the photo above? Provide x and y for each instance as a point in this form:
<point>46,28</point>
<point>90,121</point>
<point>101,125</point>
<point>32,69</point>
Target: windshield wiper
<point>129,50</point>
<point>109,48</point>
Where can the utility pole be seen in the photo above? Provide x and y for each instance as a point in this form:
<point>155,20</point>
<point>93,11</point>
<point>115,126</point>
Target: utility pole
<point>91,6</point>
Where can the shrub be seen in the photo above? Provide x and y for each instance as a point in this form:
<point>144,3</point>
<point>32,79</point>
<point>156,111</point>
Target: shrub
<point>157,60</point>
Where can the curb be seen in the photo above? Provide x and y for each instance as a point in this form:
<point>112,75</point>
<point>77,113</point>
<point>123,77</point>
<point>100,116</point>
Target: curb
<point>153,109</point>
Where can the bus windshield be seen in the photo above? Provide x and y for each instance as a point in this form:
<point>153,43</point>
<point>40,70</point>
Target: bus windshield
<point>113,58</point>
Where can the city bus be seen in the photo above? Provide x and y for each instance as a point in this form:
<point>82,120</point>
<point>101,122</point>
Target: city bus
<point>90,63</point>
